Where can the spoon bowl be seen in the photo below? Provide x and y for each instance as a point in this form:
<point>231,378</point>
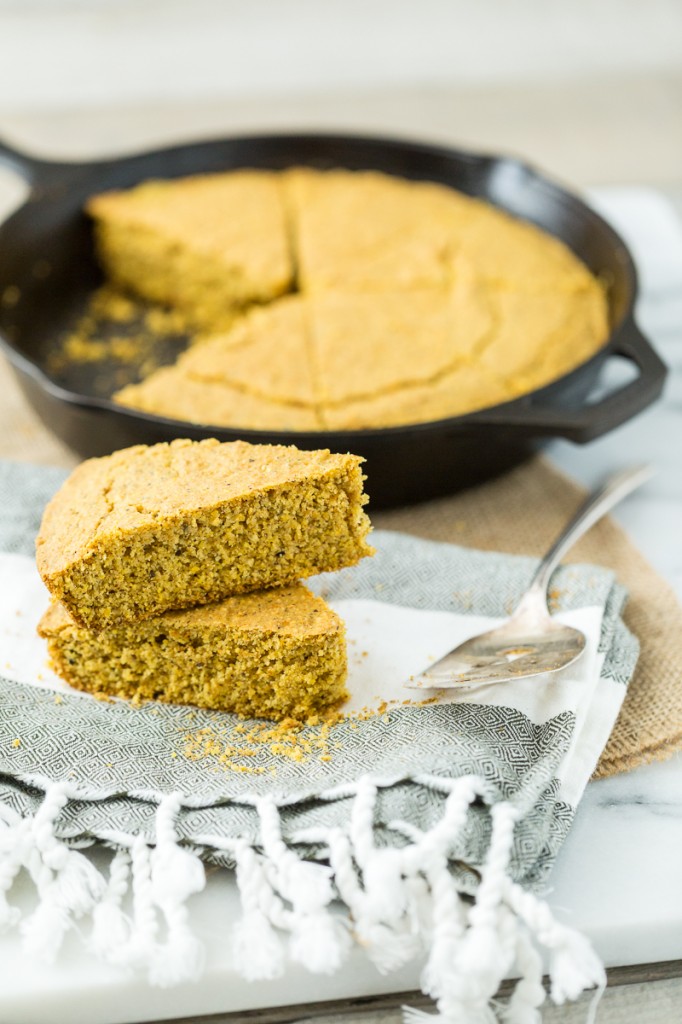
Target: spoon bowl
<point>531,642</point>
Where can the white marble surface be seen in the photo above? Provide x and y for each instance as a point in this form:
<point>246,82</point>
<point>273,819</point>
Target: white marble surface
<point>618,877</point>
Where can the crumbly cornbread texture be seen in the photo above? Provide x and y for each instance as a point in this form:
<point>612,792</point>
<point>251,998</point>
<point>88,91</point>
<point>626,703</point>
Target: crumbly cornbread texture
<point>276,654</point>
<point>149,529</point>
<point>413,302</point>
<point>208,245</point>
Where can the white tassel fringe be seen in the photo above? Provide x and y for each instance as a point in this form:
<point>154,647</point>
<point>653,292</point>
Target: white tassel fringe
<point>398,903</point>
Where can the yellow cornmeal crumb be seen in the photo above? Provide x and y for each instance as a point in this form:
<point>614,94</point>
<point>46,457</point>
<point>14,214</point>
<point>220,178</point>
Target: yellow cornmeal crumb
<point>297,740</point>
<point>119,330</point>
<point>107,302</point>
<point>292,740</point>
<point>148,529</point>
<point>272,654</point>
<point>16,742</point>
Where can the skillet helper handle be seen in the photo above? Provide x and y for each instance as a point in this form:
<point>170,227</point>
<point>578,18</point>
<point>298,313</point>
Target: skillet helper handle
<point>591,421</point>
<point>34,171</point>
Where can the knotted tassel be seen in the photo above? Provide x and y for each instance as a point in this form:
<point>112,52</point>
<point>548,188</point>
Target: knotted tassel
<point>380,910</point>
<point>573,965</point>
<point>15,842</point>
<point>111,928</point>
<point>529,992</point>
<point>257,949</point>
<point>69,885</point>
<point>319,939</point>
<point>176,874</point>
<point>483,960</point>
<point>142,946</point>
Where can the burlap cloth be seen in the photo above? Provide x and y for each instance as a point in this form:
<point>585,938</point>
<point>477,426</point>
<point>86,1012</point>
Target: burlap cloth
<point>521,513</point>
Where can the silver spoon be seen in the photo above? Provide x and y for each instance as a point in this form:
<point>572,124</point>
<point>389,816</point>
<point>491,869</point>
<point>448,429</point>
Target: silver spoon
<point>531,642</point>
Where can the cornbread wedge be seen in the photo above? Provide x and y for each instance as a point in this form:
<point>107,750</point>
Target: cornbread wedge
<point>207,245</point>
<point>277,654</point>
<point>149,529</point>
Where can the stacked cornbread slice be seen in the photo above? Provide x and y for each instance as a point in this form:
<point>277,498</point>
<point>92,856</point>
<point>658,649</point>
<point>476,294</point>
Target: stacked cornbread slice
<point>174,571</point>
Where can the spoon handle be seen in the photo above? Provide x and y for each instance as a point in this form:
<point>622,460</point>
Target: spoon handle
<point>598,504</point>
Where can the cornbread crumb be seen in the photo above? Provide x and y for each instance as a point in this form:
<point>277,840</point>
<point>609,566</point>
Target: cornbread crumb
<point>148,529</point>
<point>236,748</point>
<point>277,654</point>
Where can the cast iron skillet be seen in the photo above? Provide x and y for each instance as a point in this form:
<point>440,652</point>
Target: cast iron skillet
<point>47,269</point>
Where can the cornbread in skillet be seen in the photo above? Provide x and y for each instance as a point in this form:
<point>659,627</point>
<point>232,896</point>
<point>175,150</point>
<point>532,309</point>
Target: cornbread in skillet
<point>276,653</point>
<point>452,394</point>
<point>366,344</point>
<point>541,335</point>
<point>412,302</point>
<point>149,529</point>
<point>207,245</point>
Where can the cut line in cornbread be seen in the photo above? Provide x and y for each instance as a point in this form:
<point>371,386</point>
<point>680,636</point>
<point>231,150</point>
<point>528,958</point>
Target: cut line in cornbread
<point>276,654</point>
<point>375,344</point>
<point>207,245</point>
<point>266,354</point>
<point>541,335</point>
<point>363,230</point>
<point>149,529</point>
<point>461,391</point>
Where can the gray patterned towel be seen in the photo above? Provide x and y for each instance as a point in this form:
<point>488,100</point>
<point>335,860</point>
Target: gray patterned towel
<point>430,828</point>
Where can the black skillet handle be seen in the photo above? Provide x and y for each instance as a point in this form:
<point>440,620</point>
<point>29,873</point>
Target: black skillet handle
<point>34,171</point>
<point>591,421</point>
